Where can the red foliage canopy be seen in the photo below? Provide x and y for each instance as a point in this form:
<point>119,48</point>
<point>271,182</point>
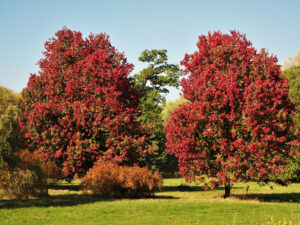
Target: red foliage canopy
<point>81,105</point>
<point>237,125</point>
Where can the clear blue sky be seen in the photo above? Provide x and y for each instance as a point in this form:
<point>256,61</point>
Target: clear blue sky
<point>137,25</point>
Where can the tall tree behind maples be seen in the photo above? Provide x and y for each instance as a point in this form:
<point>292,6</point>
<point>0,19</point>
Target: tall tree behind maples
<point>238,122</point>
<point>152,83</point>
<point>81,106</point>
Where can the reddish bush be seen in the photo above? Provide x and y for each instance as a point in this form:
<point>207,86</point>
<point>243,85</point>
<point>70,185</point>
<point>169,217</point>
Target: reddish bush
<point>102,179</point>
<point>107,179</point>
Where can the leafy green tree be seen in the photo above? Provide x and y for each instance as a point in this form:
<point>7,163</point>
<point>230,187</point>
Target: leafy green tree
<point>152,83</point>
<point>291,70</point>
<point>291,61</point>
<point>10,140</point>
<point>170,106</point>
<point>19,177</point>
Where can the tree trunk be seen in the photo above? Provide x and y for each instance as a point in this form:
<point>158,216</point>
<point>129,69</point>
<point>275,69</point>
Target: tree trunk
<point>227,190</point>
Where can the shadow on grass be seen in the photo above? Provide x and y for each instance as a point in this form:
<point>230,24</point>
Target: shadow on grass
<point>70,187</point>
<point>51,201</point>
<point>274,197</point>
<point>64,200</point>
<point>187,188</point>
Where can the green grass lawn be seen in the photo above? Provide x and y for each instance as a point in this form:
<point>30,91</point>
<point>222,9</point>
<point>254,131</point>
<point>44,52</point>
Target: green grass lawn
<point>178,203</point>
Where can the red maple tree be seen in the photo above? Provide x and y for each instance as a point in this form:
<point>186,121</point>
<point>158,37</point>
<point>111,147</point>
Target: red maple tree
<point>81,106</point>
<point>237,124</point>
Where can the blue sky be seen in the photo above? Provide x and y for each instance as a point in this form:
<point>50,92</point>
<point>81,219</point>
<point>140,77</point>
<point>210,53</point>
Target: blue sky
<point>137,25</point>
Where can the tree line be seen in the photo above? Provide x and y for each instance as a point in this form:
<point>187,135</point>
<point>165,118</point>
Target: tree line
<point>237,118</point>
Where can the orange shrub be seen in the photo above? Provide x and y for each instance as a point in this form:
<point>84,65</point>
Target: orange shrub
<point>139,182</point>
<point>102,179</point>
<point>107,179</point>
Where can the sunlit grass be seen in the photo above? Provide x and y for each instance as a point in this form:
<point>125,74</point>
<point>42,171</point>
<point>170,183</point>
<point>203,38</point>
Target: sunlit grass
<point>178,203</point>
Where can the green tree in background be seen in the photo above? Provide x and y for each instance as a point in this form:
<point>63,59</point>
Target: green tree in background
<point>10,140</point>
<point>291,61</point>
<point>152,83</point>
<point>291,70</point>
<point>170,106</point>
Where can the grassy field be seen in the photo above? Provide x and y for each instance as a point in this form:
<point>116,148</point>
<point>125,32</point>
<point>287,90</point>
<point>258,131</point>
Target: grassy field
<point>178,203</point>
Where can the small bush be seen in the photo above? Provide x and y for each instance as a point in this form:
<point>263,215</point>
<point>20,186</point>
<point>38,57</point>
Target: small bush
<point>102,179</point>
<point>107,179</point>
<point>22,183</point>
<point>139,182</point>
<point>28,177</point>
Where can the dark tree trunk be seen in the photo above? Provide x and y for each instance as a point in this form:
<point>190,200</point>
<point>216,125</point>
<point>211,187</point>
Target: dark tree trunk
<point>227,190</point>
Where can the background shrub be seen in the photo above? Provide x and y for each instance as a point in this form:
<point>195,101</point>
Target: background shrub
<point>22,183</point>
<point>28,177</point>
<point>107,179</point>
<point>19,177</point>
<point>49,169</point>
<point>291,173</point>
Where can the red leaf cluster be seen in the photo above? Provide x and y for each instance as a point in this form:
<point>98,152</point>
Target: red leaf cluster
<point>238,122</point>
<point>81,105</point>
